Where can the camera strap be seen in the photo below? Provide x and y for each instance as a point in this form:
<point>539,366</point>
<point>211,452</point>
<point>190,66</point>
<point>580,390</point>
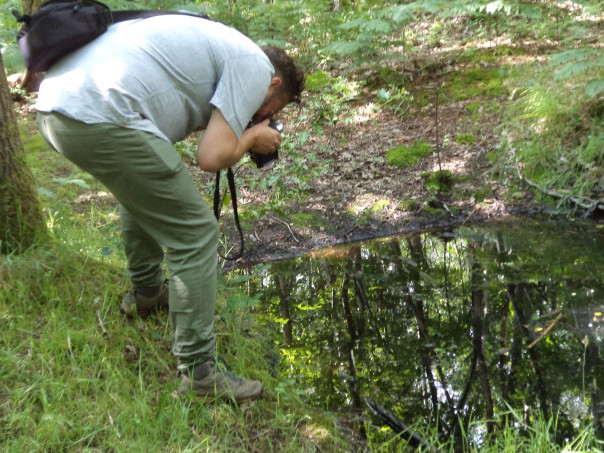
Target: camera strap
<point>233,190</point>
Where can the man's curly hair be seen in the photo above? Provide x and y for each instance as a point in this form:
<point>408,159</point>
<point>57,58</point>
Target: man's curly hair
<point>291,75</point>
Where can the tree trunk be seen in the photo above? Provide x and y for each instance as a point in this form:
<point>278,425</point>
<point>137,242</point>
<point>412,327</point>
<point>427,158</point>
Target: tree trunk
<point>31,80</point>
<point>30,6</point>
<point>479,296</point>
<point>519,297</point>
<point>284,291</point>
<point>21,218</point>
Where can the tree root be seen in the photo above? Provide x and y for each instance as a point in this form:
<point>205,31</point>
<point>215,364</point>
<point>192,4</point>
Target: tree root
<point>582,202</point>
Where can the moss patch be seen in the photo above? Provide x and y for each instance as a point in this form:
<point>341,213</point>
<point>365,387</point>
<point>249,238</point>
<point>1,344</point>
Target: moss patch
<point>473,107</point>
<point>409,205</point>
<point>405,156</point>
<point>477,82</point>
<point>439,181</point>
<point>379,206</point>
<point>307,220</point>
<point>479,194</point>
<point>465,139</point>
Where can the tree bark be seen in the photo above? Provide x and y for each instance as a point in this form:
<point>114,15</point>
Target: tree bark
<point>283,290</point>
<point>31,80</point>
<point>21,220</point>
<point>30,6</point>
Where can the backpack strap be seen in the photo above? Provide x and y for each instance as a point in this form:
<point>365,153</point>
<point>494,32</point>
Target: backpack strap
<point>123,15</point>
<point>233,190</point>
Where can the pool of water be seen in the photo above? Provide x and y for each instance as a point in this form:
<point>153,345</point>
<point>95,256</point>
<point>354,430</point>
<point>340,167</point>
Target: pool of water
<point>465,329</point>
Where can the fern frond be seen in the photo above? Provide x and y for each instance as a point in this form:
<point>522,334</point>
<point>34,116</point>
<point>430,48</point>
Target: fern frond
<point>433,6</point>
<point>457,11</point>
<point>530,11</point>
<point>345,47</point>
<point>595,87</point>
<point>377,26</point>
<point>498,6</point>
<point>580,67</point>
<point>399,13</point>
<point>573,55</point>
<point>579,61</point>
<point>353,24</point>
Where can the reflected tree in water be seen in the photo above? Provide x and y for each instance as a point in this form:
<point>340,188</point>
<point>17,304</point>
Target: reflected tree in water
<point>463,331</point>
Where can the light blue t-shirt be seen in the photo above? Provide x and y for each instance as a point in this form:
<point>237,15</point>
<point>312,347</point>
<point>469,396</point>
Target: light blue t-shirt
<point>161,75</point>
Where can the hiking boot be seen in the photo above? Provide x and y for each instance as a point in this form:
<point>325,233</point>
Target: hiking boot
<point>135,303</point>
<point>209,379</point>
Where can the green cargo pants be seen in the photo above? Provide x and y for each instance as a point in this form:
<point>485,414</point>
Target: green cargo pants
<point>160,208</point>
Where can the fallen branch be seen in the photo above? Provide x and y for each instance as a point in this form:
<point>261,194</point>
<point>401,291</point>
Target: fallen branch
<point>413,439</point>
<point>287,225</point>
<point>582,202</point>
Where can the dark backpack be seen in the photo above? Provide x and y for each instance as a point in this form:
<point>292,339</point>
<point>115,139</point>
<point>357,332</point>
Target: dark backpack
<point>59,27</point>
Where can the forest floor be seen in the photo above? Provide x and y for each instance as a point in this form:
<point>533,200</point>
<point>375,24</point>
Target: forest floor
<point>359,196</point>
<point>354,194</point>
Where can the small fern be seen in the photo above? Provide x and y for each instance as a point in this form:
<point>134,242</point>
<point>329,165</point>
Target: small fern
<point>345,47</point>
<point>580,61</point>
<point>398,14</point>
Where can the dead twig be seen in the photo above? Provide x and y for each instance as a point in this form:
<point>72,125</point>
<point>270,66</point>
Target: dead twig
<point>545,332</point>
<point>287,225</point>
<point>104,331</point>
<point>354,227</point>
<point>471,213</point>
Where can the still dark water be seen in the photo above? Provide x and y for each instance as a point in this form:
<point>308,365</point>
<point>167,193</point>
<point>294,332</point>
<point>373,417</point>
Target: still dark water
<point>460,330</point>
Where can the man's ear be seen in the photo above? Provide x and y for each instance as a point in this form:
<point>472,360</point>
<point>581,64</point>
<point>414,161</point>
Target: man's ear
<point>276,82</point>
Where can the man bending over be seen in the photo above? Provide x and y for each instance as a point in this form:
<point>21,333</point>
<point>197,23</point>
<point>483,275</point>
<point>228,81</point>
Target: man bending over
<point>116,106</point>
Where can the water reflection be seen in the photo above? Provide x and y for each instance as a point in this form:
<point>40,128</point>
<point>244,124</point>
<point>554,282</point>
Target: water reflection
<point>447,328</point>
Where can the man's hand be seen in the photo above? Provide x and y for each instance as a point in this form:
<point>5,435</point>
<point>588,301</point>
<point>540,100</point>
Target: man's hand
<point>219,147</point>
<point>267,138</point>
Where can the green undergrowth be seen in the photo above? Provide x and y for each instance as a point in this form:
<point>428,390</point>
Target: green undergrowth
<point>554,130</point>
<point>465,139</point>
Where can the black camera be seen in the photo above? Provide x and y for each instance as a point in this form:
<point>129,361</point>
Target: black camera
<point>262,160</point>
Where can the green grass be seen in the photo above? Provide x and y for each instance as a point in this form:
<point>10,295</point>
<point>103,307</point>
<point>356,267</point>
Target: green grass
<point>555,129</point>
<point>535,436</point>
<point>76,375</point>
